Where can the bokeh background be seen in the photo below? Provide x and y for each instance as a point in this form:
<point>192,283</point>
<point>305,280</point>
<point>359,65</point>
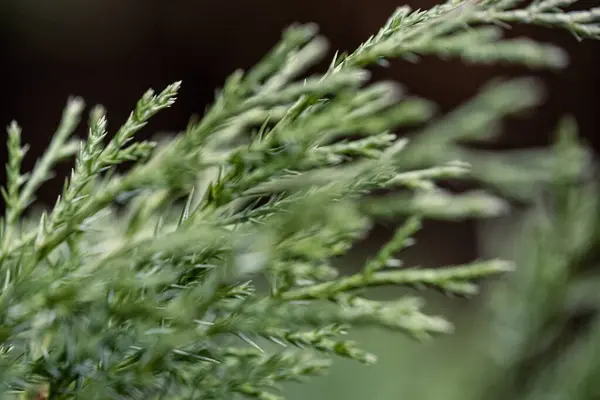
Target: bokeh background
<point>111,51</point>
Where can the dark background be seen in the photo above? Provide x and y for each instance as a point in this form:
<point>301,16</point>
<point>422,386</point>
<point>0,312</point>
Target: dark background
<point>111,51</point>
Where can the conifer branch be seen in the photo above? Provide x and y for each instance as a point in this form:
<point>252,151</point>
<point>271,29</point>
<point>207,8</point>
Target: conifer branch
<point>120,291</point>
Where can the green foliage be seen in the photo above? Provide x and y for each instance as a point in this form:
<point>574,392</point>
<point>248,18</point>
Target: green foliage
<point>544,320</point>
<point>207,269</point>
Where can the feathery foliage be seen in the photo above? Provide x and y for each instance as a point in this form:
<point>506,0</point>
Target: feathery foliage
<point>544,320</point>
<point>207,269</point>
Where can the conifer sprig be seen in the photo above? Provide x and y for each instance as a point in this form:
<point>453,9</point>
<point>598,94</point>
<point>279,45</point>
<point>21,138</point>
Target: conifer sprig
<point>120,291</point>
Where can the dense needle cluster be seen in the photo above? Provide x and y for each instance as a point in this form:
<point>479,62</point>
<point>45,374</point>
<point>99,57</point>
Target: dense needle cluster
<point>208,269</point>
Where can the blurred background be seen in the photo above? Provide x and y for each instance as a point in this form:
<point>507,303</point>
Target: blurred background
<point>111,51</point>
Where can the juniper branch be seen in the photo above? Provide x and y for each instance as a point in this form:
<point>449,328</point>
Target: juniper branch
<point>163,302</point>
